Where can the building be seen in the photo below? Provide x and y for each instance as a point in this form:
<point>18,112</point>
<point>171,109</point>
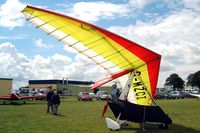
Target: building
<point>190,89</point>
<point>65,87</point>
<point>5,86</point>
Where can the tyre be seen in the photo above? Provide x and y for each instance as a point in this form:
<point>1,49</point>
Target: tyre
<point>163,126</point>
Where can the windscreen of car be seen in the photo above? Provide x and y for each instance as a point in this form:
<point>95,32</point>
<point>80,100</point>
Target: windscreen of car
<point>104,93</point>
<point>85,94</point>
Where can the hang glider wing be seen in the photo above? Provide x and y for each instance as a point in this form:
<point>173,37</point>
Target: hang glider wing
<point>109,50</point>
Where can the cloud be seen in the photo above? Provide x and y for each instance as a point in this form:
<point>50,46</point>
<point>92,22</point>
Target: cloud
<point>94,11</point>
<point>12,63</point>
<point>39,43</point>
<point>192,4</point>
<point>61,59</point>
<point>69,49</point>
<point>10,15</point>
<point>140,3</point>
<point>175,37</point>
<point>16,65</point>
<point>84,69</point>
<point>17,37</point>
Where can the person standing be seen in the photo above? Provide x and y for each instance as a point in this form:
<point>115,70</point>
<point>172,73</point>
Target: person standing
<point>56,102</point>
<point>49,104</point>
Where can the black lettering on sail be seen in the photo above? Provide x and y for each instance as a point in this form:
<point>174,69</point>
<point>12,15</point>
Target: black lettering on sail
<point>137,84</point>
<point>140,93</point>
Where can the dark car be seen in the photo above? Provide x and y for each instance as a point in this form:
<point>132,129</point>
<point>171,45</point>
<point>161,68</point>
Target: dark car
<point>176,95</point>
<point>102,95</point>
<point>84,96</point>
<point>188,95</point>
<point>159,95</point>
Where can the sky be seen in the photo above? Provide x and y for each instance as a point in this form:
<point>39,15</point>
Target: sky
<point>171,28</point>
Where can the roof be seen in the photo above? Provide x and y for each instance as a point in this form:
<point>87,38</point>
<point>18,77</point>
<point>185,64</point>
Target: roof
<point>55,81</point>
<point>6,79</point>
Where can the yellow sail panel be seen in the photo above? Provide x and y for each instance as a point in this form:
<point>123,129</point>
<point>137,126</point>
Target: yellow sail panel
<point>79,35</point>
<point>140,87</point>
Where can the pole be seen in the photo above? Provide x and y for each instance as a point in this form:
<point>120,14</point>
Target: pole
<point>143,129</point>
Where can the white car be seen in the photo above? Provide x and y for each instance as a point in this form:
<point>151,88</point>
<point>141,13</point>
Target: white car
<point>102,95</point>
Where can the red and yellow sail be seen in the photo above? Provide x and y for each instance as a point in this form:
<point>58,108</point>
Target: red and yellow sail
<point>114,53</point>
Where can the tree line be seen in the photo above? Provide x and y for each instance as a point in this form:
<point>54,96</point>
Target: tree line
<point>177,82</point>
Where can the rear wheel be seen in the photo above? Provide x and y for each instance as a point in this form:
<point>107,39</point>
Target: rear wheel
<point>98,99</point>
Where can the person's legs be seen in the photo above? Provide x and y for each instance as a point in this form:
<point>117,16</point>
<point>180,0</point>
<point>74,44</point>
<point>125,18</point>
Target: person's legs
<point>55,109</point>
<point>48,106</point>
<point>51,106</point>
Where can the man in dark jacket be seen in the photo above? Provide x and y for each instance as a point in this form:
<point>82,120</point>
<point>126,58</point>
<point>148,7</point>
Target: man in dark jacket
<point>55,100</point>
<point>49,104</point>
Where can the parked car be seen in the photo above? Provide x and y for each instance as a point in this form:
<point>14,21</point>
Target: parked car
<point>188,95</point>
<point>175,95</point>
<point>38,95</point>
<point>23,92</point>
<point>102,95</point>
<point>159,95</point>
<point>84,96</point>
<point>92,94</point>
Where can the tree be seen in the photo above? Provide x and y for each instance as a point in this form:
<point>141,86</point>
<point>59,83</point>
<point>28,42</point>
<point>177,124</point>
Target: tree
<point>194,79</point>
<point>190,80</point>
<point>175,81</point>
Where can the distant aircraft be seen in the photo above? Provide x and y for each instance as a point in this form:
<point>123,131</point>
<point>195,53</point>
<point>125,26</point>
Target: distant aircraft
<point>134,66</point>
<point>16,98</point>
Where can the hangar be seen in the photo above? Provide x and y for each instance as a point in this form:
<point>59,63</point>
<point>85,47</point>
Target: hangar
<point>5,86</point>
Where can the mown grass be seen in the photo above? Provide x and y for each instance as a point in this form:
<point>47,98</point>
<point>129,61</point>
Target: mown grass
<point>85,117</point>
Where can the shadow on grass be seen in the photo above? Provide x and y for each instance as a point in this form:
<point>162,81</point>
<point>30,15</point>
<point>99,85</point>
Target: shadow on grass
<point>60,115</point>
<point>174,128</point>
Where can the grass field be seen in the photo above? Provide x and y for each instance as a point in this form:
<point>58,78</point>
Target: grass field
<point>85,117</point>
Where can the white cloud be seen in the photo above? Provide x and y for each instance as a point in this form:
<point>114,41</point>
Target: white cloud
<point>40,43</point>
<point>192,4</point>
<point>8,47</point>
<point>70,49</point>
<point>13,64</point>
<point>175,37</point>
<point>84,69</point>
<point>10,15</point>
<point>94,11</point>
<point>17,37</point>
<point>140,3</point>
<point>61,59</point>
<point>21,68</point>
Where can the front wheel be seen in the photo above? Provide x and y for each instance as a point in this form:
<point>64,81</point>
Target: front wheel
<point>163,126</point>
